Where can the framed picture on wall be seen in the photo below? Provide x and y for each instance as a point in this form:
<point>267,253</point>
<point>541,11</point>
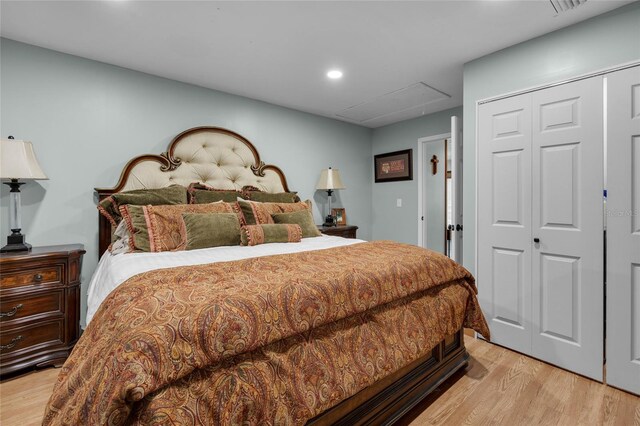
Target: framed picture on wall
<point>340,215</point>
<point>393,166</point>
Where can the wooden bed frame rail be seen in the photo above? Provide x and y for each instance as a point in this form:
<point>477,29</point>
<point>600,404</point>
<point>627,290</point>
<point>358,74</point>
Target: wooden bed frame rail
<point>388,400</point>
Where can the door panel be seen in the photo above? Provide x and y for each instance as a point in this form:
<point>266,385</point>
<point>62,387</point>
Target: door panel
<point>508,286</point>
<point>560,284</point>
<point>504,220</point>
<point>567,217</point>
<point>623,230</point>
<point>560,174</point>
<point>508,193</point>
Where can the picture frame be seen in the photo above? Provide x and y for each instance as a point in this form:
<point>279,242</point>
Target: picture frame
<point>340,215</point>
<point>393,166</point>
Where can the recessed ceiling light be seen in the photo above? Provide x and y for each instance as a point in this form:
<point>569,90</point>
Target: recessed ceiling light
<point>334,74</point>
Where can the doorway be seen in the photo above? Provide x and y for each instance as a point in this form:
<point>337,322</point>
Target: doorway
<point>439,192</point>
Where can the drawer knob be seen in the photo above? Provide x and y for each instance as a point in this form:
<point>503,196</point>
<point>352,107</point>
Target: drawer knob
<point>12,312</point>
<point>14,342</point>
<point>37,277</point>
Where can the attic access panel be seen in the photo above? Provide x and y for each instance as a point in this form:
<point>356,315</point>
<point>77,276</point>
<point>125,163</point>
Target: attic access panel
<point>412,96</point>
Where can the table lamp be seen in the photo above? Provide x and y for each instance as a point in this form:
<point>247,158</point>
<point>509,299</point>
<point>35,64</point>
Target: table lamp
<point>17,161</point>
<point>329,181</point>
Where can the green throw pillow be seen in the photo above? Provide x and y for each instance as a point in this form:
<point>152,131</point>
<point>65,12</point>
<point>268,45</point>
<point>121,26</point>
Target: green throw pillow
<point>203,230</point>
<point>304,218</point>
<point>280,197</point>
<point>136,222</point>
<point>110,206</point>
<point>199,193</point>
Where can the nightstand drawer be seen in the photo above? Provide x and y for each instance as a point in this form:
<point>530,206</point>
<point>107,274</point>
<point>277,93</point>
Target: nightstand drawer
<point>347,234</point>
<point>344,231</point>
<point>40,334</point>
<point>44,276</point>
<point>14,308</point>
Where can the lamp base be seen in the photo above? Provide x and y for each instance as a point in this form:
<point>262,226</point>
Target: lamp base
<point>329,221</point>
<point>15,242</point>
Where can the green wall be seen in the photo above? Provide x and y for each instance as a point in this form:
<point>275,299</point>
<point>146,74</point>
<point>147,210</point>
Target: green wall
<point>599,43</point>
<point>401,223</point>
<point>86,119</point>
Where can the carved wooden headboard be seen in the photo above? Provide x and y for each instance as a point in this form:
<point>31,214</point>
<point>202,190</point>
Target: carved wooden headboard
<point>214,156</point>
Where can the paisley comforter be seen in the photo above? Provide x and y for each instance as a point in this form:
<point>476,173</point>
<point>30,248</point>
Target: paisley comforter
<point>268,340</point>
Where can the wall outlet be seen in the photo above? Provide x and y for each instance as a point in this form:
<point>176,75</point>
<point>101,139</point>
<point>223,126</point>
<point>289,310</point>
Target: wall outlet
<point>399,202</point>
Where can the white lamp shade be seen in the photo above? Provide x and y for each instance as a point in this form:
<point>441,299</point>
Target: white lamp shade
<point>330,179</point>
<point>18,160</point>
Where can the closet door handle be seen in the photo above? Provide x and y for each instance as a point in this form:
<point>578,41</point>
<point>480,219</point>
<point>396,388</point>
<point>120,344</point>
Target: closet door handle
<point>536,240</point>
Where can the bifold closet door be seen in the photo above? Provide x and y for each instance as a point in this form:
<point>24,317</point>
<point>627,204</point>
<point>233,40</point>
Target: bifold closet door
<point>504,220</point>
<point>623,230</point>
<point>540,224</point>
<point>567,226</point>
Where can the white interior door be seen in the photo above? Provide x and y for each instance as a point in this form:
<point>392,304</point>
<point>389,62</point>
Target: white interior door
<point>567,226</point>
<point>623,229</point>
<point>504,220</point>
<point>456,189</point>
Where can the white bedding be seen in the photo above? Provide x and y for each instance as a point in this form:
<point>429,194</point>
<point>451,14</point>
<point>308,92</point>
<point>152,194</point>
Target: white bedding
<point>113,270</point>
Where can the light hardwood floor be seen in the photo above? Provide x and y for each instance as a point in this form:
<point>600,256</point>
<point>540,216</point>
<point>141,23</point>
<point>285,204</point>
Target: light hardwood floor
<point>500,387</point>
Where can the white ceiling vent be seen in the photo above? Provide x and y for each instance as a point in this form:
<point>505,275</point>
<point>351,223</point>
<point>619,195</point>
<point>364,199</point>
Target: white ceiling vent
<point>563,5</point>
<point>410,97</point>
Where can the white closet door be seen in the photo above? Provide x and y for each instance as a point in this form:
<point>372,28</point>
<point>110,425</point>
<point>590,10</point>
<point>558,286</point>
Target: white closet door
<point>623,230</point>
<point>504,220</point>
<point>567,218</point>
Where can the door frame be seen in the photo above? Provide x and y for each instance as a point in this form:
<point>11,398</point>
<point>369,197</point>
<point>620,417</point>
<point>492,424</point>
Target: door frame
<point>421,212</point>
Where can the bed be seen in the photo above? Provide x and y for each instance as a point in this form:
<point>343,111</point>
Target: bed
<point>324,331</point>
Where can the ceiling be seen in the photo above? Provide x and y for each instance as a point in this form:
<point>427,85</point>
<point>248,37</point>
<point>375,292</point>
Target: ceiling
<point>280,52</point>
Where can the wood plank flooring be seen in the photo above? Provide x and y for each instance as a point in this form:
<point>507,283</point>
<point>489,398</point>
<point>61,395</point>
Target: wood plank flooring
<point>500,387</point>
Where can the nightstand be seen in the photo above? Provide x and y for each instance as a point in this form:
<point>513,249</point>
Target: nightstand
<point>39,306</point>
<point>346,231</point>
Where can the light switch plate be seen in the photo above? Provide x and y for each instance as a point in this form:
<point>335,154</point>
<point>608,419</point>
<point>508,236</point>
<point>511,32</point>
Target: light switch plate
<point>399,202</point>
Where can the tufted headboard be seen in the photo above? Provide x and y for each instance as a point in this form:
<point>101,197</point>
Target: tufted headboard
<point>214,156</point>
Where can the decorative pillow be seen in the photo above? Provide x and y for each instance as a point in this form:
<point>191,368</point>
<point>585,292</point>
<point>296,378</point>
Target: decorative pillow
<point>120,246</point>
<point>110,206</point>
<point>200,193</point>
<point>158,228</point>
<point>121,231</point>
<point>120,239</point>
<point>254,213</point>
<point>202,230</point>
<point>136,222</point>
<point>252,235</point>
<point>165,222</point>
<point>255,194</point>
<point>267,197</point>
<point>304,218</point>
